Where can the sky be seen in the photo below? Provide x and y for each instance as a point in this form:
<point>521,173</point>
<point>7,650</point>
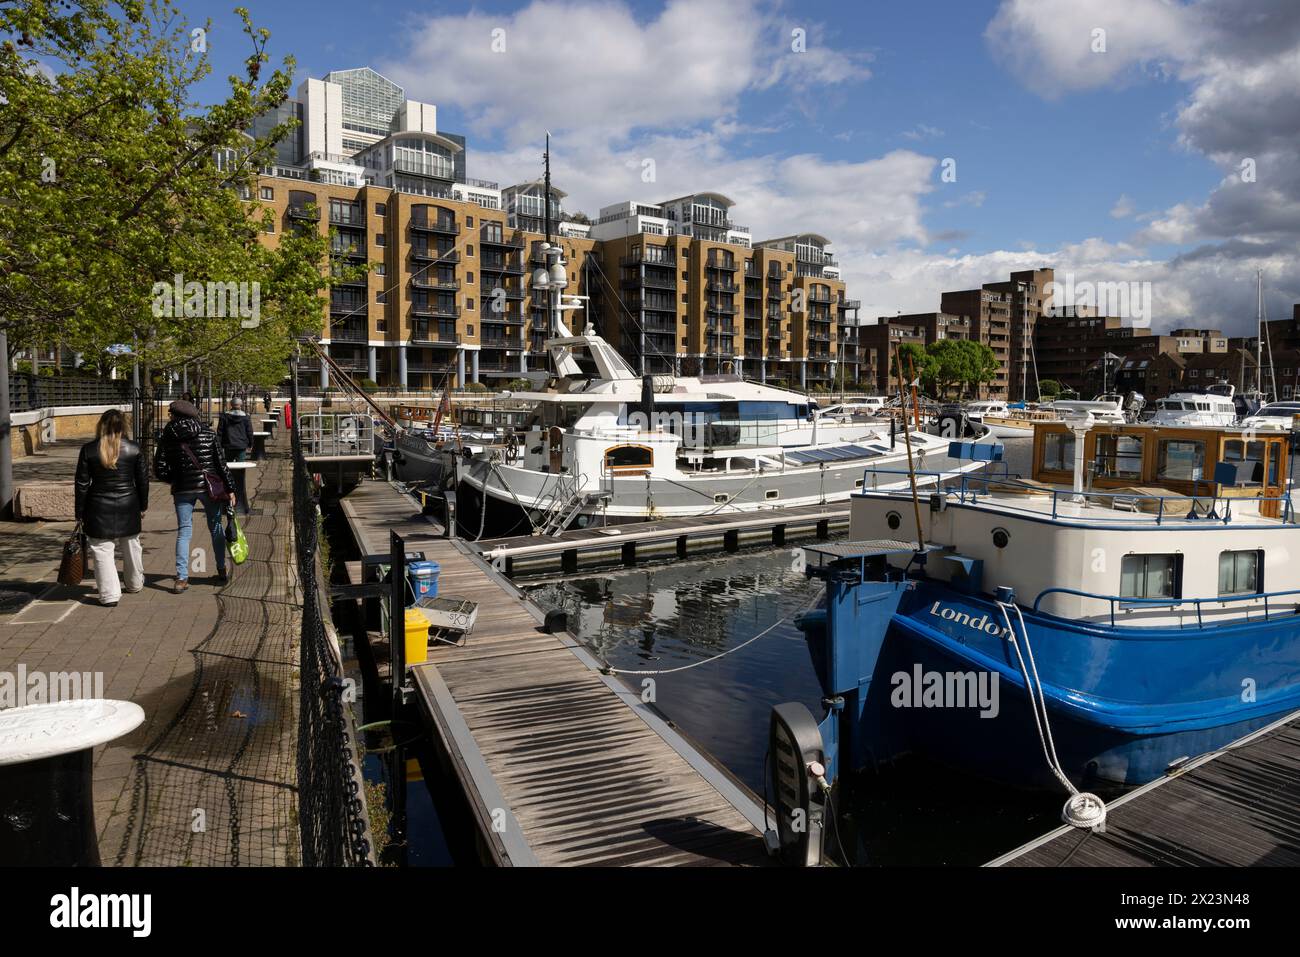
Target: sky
<point>937,145</point>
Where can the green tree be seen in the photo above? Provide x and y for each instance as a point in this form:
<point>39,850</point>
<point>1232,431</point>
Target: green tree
<point>1049,389</point>
<point>917,364</point>
<point>114,179</point>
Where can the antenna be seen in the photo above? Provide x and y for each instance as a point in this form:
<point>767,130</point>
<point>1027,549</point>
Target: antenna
<point>546,199</point>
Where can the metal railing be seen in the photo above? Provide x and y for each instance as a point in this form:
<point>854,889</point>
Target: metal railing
<point>1203,508</point>
<point>333,820</point>
<point>28,392</point>
<point>1123,603</point>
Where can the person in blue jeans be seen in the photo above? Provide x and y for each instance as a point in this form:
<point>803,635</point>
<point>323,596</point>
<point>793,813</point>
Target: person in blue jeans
<point>187,450</point>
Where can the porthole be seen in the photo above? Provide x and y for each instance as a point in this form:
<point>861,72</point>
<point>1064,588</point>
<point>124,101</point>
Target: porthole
<point>772,493</point>
<point>722,498</point>
<point>893,520</point>
<point>1000,537</point>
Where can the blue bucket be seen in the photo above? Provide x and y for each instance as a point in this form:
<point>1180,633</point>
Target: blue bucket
<point>423,577</point>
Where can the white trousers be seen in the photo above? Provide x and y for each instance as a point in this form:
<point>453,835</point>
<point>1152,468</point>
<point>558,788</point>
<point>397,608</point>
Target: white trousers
<point>106,581</point>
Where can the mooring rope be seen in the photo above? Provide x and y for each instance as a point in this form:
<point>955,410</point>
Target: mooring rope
<point>1081,809</point>
<point>611,670</point>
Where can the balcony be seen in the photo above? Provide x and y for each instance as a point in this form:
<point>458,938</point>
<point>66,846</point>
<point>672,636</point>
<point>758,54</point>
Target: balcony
<point>502,342</point>
<point>716,286</point>
<point>307,214</point>
<point>349,332</point>
<point>489,237</point>
<point>435,310</point>
<point>717,262</point>
<point>501,266</point>
<point>649,258</point>
<point>502,318</point>
<point>850,303</point>
<point>510,292</point>
<point>721,309</point>
<point>775,295</point>
<point>649,282</point>
<point>441,227</point>
<point>362,281</point>
<point>349,218</point>
<point>442,170</point>
<point>424,282</point>
<point>820,297</point>
<point>433,255</point>
<point>424,335</point>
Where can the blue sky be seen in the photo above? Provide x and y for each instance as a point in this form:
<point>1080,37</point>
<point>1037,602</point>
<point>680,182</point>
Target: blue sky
<point>1115,164</point>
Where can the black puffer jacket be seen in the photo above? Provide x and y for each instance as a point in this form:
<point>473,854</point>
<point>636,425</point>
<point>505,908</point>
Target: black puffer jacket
<point>172,464</point>
<point>109,501</point>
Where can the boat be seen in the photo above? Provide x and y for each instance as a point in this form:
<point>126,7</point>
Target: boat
<point>1004,421</point>
<point>1213,406</point>
<point>1281,416</point>
<point>606,446</point>
<point>1130,606</point>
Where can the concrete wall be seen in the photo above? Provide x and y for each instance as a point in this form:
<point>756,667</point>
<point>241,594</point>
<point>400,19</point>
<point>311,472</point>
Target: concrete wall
<point>35,429</point>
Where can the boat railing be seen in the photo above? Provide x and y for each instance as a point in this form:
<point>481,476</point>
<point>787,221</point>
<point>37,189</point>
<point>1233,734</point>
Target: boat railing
<point>1122,603</point>
<point>968,487</point>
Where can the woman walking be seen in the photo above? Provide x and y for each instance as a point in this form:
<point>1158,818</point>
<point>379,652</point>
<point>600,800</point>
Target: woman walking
<point>112,492</point>
<point>187,453</point>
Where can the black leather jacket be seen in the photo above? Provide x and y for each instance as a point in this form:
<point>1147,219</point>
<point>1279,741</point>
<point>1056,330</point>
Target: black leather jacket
<point>109,501</point>
<point>171,464</point>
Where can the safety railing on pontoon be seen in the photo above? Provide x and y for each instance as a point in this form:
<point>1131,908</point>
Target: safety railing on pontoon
<point>969,487</point>
<point>1116,601</point>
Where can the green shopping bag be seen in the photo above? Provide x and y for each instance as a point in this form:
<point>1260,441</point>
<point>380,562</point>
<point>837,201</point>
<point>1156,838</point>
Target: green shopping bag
<point>236,540</point>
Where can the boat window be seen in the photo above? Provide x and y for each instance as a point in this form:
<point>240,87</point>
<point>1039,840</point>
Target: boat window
<point>1118,456</point>
<point>621,457</point>
<point>1240,572</point>
<point>1235,450</point>
<point>1149,576</point>
<point>1058,451</point>
<point>1181,459</point>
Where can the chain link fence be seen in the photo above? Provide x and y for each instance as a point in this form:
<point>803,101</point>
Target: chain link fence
<point>333,818</point>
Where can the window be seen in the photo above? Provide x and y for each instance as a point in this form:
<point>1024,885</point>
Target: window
<point>1181,459</point>
<point>1249,452</point>
<point>1058,452</point>
<point>469,222</point>
<point>266,192</point>
<point>381,209</point>
<point>1240,572</point>
<point>620,457</point>
<point>469,330</point>
<point>1118,456</point>
<point>469,249</point>
<point>1149,576</point>
<point>380,269</point>
<point>380,240</point>
<point>381,296</point>
<point>270,228</point>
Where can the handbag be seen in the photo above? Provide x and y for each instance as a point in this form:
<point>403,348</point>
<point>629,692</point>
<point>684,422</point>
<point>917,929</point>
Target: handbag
<point>72,566</point>
<point>213,483</point>
<point>239,544</point>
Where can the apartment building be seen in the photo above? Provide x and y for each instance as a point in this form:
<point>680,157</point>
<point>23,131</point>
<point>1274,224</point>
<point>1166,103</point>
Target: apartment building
<point>989,313</point>
<point>677,285</point>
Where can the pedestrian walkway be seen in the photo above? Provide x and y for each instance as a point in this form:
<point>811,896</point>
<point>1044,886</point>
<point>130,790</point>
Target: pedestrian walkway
<point>209,778</point>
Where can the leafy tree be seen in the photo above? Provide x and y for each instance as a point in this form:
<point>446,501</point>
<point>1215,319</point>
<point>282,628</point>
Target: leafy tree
<point>917,364</point>
<point>115,179</point>
<point>1049,389</point>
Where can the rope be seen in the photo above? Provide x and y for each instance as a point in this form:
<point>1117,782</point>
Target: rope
<point>1081,809</point>
<point>611,670</point>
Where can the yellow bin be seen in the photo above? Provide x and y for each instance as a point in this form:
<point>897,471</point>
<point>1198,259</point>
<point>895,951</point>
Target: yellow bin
<point>417,636</point>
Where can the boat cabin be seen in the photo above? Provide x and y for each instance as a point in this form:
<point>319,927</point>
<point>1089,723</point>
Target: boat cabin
<point>1223,462</point>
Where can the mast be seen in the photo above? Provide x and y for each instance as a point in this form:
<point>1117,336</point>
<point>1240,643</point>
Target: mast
<point>1259,331</point>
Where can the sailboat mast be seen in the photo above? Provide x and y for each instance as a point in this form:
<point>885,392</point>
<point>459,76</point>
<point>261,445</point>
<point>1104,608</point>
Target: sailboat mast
<point>1259,331</point>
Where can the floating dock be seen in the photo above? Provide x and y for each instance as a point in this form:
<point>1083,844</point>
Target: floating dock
<point>560,764</point>
<point>627,544</point>
<point>1235,807</point>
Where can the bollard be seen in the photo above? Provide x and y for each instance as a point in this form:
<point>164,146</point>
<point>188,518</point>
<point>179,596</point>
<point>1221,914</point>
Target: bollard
<point>47,804</point>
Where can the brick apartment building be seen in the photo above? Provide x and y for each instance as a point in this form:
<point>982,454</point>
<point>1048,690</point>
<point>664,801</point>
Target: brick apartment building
<point>675,285</point>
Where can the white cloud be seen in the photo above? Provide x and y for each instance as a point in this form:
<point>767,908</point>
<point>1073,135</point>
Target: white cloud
<point>1123,207</point>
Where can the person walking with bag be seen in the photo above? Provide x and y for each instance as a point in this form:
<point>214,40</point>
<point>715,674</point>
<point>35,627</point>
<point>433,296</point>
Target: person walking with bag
<point>235,429</point>
<point>190,458</point>
<point>112,493</point>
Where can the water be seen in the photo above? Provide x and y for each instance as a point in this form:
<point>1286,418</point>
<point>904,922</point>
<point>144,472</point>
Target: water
<point>663,617</point>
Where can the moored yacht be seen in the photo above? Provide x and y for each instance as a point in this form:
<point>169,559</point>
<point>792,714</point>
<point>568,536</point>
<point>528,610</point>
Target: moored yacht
<point>1214,406</point>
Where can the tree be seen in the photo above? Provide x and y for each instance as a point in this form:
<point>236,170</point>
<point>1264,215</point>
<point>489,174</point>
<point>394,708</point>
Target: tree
<point>1049,389</point>
<point>917,364</point>
<point>115,179</point>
